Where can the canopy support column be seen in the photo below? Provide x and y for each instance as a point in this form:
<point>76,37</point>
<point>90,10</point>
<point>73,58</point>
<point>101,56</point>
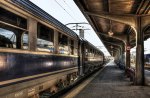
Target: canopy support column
<point>139,74</point>
<point>128,52</point>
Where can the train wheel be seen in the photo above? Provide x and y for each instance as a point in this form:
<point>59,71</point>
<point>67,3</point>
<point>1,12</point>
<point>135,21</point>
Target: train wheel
<point>74,76</point>
<point>65,83</point>
<point>53,89</point>
<point>68,79</point>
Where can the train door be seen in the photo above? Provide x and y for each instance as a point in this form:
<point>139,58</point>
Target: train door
<point>80,63</point>
<point>83,50</point>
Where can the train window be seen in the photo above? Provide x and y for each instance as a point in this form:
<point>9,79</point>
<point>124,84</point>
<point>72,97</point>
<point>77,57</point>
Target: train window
<point>90,52</point>
<point>11,18</point>
<point>7,39</point>
<point>63,44</point>
<point>25,41</point>
<point>86,52</point>
<point>94,53</point>
<point>72,47</point>
<point>75,51</point>
<point>75,47</point>
<point>45,37</point>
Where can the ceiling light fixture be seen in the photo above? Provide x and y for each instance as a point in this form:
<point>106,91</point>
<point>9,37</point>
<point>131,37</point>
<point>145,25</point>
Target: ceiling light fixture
<point>110,33</point>
<point>111,46</point>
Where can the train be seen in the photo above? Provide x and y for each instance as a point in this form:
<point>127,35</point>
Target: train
<point>147,61</point>
<point>38,53</point>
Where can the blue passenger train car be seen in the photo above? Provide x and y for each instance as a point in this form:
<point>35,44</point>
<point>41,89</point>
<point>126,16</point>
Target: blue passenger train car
<point>147,60</point>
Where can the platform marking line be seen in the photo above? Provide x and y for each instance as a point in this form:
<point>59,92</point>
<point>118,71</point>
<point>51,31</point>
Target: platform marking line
<point>81,86</point>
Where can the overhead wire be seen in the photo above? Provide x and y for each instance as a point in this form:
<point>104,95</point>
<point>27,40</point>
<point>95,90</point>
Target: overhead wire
<point>68,7</point>
<point>65,10</point>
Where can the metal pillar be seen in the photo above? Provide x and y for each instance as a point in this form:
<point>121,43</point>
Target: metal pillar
<point>128,52</point>
<point>81,33</point>
<point>117,56</point>
<point>80,59</point>
<point>121,54</point>
<point>139,75</point>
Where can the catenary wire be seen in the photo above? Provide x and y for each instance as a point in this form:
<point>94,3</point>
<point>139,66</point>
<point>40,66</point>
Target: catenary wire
<point>65,10</point>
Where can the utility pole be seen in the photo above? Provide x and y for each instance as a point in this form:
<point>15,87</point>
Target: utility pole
<point>79,27</point>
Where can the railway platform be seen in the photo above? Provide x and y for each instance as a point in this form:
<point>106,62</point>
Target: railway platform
<point>110,82</point>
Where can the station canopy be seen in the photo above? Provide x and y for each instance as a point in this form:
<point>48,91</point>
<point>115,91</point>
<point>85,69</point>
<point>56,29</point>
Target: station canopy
<point>112,20</point>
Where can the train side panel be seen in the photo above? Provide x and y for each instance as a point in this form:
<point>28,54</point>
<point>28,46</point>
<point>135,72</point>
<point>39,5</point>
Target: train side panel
<point>14,65</point>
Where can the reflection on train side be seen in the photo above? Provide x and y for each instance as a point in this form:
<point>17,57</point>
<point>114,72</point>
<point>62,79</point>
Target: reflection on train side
<point>45,41</point>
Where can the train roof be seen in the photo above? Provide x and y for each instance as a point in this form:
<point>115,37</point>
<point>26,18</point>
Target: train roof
<point>33,9</point>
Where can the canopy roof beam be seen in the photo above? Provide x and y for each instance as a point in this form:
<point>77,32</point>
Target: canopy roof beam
<point>126,19</point>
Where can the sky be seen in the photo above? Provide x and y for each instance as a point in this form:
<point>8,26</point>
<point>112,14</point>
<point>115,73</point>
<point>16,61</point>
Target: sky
<point>147,46</point>
<point>66,12</point>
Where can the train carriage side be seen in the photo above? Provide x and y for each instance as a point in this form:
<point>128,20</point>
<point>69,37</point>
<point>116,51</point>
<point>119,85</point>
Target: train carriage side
<point>92,58</point>
<point>37,52</point>
<point>147,61</point>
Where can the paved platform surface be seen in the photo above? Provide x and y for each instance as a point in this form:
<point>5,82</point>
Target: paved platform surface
<point>111,83</point>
